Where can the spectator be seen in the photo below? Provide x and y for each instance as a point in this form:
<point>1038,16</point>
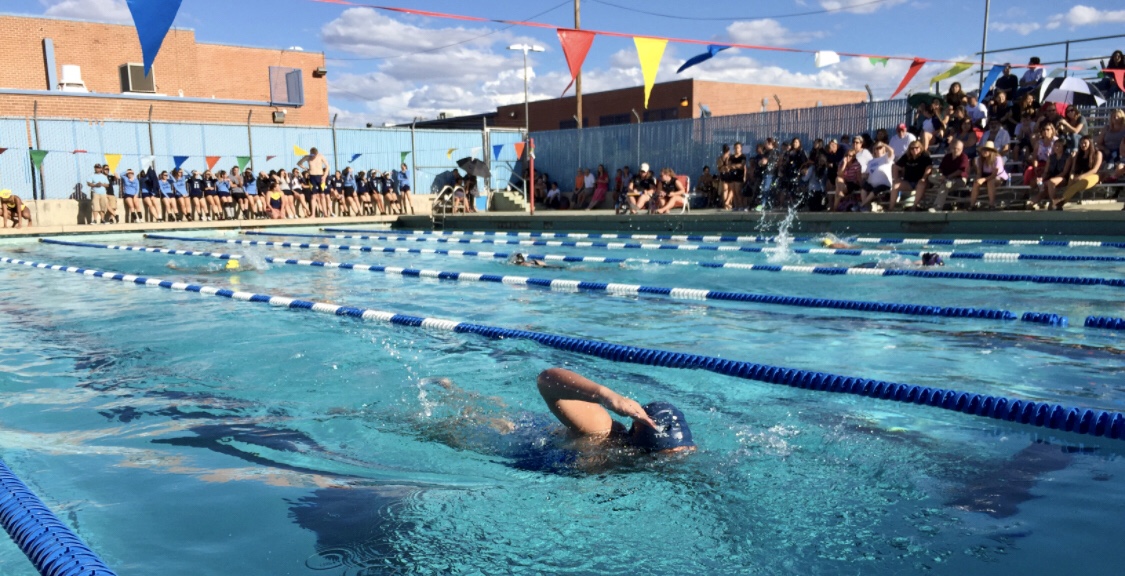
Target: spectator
<point>317,167</point>
<point>723,168</point>
<point>641,189</point>
<point>834,154</point>
<point>795,161</point>
<point>223,186</point>
<point>579,182</point>
<point>1025,135</point>
<point>955,96</point>
<point>671,193</point>
<point>403,191</point>
<point>98,184</point>
<point>1072,126</point>
<point>1108,84</point>
<point>275,199</point>
<point>601,187</point>
<point>1084,170</point>
<point>195,196</point>
<point>932,125</point>
<point>1111,140</point>
<point>1026,105</point>
<point>1007,83</point>
<point>912,173</point>
<point>849,181</point>
<point>1001,109</point>
<point>968,137</point>
<point>111,196</point>
<point>878,179</point>
<point>1056,174</point>
<point>237,193</point>
<point>555,197</point>
<point>737,168</point>
<point>621,203</point>
<point>816,178</point>
<point>130,194</point>
<point>471,191</point>
<point>976,110</point>
<point>989,174</point>
<point>707,187</point>
<point>900,141</point>
<point>1041,152</point>
<point>150,192</point>
<point>1033,76</point>
<point>180,192</point>
<point>881,135</point>
<point>861,152</point>
<point>998,136</point>
<point>953,174</point>
<point>586,192</point>
<point>13,209</point>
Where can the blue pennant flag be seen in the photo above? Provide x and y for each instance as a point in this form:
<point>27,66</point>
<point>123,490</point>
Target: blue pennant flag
<point>993,76</point>
<point>179,160</point>
<point>354,156</point>
<point>153,19</point>
<point>496,150</point>
<point>712,50</point>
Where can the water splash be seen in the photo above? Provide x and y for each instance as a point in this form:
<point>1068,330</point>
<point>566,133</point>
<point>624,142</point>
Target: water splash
<point>782,251</point>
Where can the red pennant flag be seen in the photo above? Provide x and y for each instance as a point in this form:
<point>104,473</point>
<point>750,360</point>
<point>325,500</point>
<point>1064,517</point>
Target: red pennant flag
<point>915,66</point>
<point>78,152</point>
<point>211,161</point>
<point>268,158</point>
<point>519,149</point>
<point>3,150</point>
<point>1118,75</point>
<point>575,45</point>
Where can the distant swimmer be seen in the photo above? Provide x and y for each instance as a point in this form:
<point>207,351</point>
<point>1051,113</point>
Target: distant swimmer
<point>838,244</point>
<point>231,265</point>
<point>928,260</point>
<point>521,260</point>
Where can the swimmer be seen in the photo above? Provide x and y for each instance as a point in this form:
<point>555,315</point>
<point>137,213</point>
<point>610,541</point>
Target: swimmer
<point>520,260</point>
<point>929,259</point>
<point>230,265</point>
<point>837,244</point>
<point>13,209</point>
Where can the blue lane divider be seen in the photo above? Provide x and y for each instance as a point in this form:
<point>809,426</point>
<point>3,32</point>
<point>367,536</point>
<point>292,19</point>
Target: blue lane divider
<point>747,239</point>
<point>1041,318</point>
<point>51,546</point>
<point>675,293</point>
<point>826,270</point>
<point>1041,414</point>
<point>982,256</point>
<point>142,249</point>
<point>1105,322</point>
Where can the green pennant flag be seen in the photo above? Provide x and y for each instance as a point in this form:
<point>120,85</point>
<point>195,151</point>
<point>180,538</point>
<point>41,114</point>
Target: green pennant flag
<point>875,61</point>
<point>403,156</point>
<point>37,158</point>
<point>242,162</point>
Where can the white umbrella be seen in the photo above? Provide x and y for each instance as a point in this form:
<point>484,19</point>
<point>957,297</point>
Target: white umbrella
<point>1070,90</point>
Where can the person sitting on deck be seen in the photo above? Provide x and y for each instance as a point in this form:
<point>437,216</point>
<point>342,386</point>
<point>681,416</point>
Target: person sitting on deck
<point>13,209</point>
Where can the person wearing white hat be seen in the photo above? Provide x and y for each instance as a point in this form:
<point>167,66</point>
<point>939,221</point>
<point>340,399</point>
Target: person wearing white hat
<point>989,173</point>
<point>640,189</point>
<point>12,208</point>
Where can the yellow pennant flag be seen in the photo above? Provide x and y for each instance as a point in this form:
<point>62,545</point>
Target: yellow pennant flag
<point>649,51</point>
<point>449,153</point>
<point>112,160</point>
<point>955,70</point>
<point>299,151</point>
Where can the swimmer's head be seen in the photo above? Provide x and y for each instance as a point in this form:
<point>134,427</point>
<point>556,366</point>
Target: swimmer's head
<point>518,258</point>
<point>232,264</point>
<point>931,259</point>
<point>826,242</point>
<point>671,432</point>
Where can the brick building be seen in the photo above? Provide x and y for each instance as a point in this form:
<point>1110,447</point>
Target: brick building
<point>670,101</point>
<point>191,81</point>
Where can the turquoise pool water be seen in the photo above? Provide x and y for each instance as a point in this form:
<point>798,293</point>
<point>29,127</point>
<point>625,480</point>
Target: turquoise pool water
<point>184,434</point>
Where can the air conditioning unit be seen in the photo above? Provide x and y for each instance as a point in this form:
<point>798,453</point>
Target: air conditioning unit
<point>279,117</point>
<point>133,79</point>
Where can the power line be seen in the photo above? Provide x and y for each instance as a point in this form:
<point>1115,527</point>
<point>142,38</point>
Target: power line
<point>466,41</point>
<point>730,18</point>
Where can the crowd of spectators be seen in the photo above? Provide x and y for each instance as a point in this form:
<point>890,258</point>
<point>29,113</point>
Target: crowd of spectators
<point>311,189</point>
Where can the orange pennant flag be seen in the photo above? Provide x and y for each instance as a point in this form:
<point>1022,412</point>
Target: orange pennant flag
<point>519,149</point>
<point>211,161</point>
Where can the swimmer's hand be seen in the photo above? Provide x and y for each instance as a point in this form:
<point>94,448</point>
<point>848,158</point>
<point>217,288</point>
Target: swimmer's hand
<point>627,407</point>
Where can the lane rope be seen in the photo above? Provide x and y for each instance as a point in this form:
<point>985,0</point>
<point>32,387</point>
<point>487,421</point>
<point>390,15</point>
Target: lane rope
<point>142,249</point>
<point>825,270</point>
<point>49,544</point>
<point>1040,414</point>
<point>749,239</point>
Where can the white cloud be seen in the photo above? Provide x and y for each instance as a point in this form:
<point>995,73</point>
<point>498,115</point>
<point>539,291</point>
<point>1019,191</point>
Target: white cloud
<point>767,32</point>
<point>1021,28</point>
<point>101,10</point>
<point>1081,15</point>
<point>859,6</point>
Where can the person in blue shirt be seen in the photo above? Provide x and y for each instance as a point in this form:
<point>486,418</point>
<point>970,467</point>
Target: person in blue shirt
<point>130,190</point>
<point>180,192</point>
<point>253,201</point>
<point>402,178</point>
<point>98,184</point>
<point>222,185</point>
<point>164,190</point>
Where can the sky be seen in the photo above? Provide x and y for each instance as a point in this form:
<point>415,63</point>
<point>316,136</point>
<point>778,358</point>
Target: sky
<point>387,67</point>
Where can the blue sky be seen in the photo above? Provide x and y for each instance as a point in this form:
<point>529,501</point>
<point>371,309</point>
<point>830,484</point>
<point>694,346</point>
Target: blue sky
<point>387,67</point>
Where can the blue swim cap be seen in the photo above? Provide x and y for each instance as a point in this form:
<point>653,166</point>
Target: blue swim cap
<point>672,429</point>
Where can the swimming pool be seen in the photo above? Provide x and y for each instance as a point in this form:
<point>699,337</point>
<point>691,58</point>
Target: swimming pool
<point>178,433</point>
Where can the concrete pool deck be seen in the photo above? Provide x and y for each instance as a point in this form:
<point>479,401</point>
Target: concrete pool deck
<point>1100,219</point>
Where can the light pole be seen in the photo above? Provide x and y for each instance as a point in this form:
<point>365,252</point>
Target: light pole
<point>529,185</point>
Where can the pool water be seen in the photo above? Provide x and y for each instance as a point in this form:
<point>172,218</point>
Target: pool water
<point>184,434</point>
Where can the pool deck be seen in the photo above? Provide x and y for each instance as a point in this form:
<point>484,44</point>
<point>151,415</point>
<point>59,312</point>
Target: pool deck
<point>1101,219</point>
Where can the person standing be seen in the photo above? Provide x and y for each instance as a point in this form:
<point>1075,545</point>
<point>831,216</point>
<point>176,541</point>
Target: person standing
<point>99,185</point>
<point>130,190</point>
<point>317,167</point>
<point>403,180</point>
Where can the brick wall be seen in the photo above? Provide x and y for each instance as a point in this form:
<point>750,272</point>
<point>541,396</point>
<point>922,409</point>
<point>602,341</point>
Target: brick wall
<point>198,70</point>
<point>724,99</point>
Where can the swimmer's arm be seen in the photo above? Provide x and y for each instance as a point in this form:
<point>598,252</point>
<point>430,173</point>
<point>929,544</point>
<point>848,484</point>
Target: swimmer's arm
<point>564,391</point>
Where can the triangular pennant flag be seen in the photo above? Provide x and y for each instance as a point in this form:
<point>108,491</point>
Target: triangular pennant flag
<point>519,149</point>
<point>111,161</point>
<point>148,162</point>
<point>211,161</point>
<point>1119,76</point>
<point>712,50</point>
<point>37,158</point>
<point>826,58</point>
<point>915,66</point>
<point>268,158</point>
<point>3,150</point>
<point>152,19</point>
<point>78,152</point>
<point>449,153</point>
<point>1057,73</point>
<point>402,156</point>
<point>953,71</point>
<point>179,160</point>
<point>993,76</point>
<point>575,45</point>
<point>298,151</point>
<point>476,151</point>
<point>496,150</point>
<point>242,162</point>
<point>876,61</point>
<point>649,51</point>
<point>353,158</point>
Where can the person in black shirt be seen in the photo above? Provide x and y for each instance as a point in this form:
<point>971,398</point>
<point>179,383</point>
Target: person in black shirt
<point>737,176</point>
<point>795,162</point>
<point>641,189</point>
<point>195,194</point>
<point>912,173</point>
<point>1007,83</point>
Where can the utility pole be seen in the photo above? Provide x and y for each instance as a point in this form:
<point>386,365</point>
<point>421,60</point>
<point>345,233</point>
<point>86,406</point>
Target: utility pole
<point>984,46</point>
<point>578,78</point>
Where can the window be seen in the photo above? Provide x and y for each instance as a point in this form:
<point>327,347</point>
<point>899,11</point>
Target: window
<point>615,119</point>
<point>572,124</point>
<point>286,87</point>
<point>662,114</point>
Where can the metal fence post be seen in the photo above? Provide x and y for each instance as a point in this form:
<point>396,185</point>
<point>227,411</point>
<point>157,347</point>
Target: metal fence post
<point>335,153</point>
<point>413,156</point>
<point>250,137</point>
<point>42,180</point>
